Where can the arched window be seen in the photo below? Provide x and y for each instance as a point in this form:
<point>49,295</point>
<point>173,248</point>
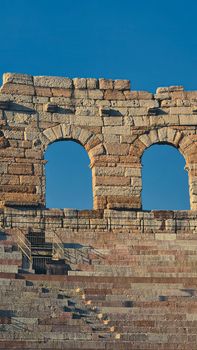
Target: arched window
<point>164,180</point>
<point>68,176</point>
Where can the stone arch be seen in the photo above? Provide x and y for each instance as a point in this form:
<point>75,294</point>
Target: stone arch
<point>184,143</point>
<point>86,138</point>
<point>92,144</point>
<point>176,138</point>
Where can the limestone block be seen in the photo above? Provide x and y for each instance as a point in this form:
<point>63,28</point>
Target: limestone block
<point>161,90</point>
<point>183,103</point>
<point>181,110</point>
<point>60,92</point>
<point>80,83</point>
<point>10,179</point>
<point>92,83</point>
<point>3,168</point>
<point>35,154</point>
<point>84,136</point>
<point>49,134</point>
<point>21,118</point>
<point>116,130</point>
<point>113,95</point>
<point>136,182</point>
<point>111,181</point>
<point>188,119</point>
<point>92,142</point>
<point>58,132</point>
<point>82,94</point>
<point>95,94</point>
<point>18,89</point>
<point>20,169</point>
<point>122,84</point>
<point>66,131</point>
<point>162,96</point>
<point>164,120</point>
<point>86,102</point>
<point>113,191</point>
<point>139,121</point>
<point>131,95</point>
<point>14,134</point>
<point>102,103</point>
<point>168,103</point>
<point>87,121</point>
<point>154,136</point>
<point>121,201</point>
<point>11,152</point>
<point>61,101</point>
<point>105,84</point>
<point>17,78</point>
<point>133,103</point>
<point>56,82</point>
<point>13,188</point>
<point>21,198</point>
<point>61,118</point>
<point>97,151</point>
<point>109,171</point>
<point>112,138</point>
<point>113,121</point>
<point>40,99</point>
<point>38,169</point>
<point>178,136</point>
<point>30,180</point>
<point>149,103</point>
<point>163,135</point>
<point>133,172</point>
<point>171,134</point>
<point>141,111</point>
<point>86,111</point>
<point>117,149</point>
<point>145,139</point>
<point>144,95</point>
<point>75,132</point>
<point>45,91</point>
<point>128,120</point>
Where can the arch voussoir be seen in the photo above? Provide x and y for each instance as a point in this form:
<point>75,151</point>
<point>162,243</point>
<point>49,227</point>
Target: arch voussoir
<point>91,142</point>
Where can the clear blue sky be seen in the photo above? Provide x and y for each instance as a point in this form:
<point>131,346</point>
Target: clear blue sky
<point>152,43</point>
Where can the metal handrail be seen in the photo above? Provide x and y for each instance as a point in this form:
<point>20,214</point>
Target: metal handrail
<point>57,248</point>
<point>23,244</point>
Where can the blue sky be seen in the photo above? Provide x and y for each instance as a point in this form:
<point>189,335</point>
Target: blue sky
<point>152,43</point>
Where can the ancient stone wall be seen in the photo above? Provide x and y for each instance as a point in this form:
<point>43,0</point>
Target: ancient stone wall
<point>113,123</point>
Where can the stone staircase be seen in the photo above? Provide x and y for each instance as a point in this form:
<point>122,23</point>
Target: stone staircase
<point>130,291</point>
<point>10,256</point>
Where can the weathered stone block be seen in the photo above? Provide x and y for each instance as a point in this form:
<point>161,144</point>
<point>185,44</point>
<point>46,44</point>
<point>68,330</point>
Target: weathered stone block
<point>114,95</point>
<point>55,82</point>
<point>18,89</point>
<point>92,83</point>
<point>122,84</point>
<point>20,169</point>
<point>112,181</point>
<point>117,149</point>
<point>17,78</point>
<point>80,83</point>
<point>61,92</point>
<point>105,84</point>
<point>95,94</point>
<point>43,91</point>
